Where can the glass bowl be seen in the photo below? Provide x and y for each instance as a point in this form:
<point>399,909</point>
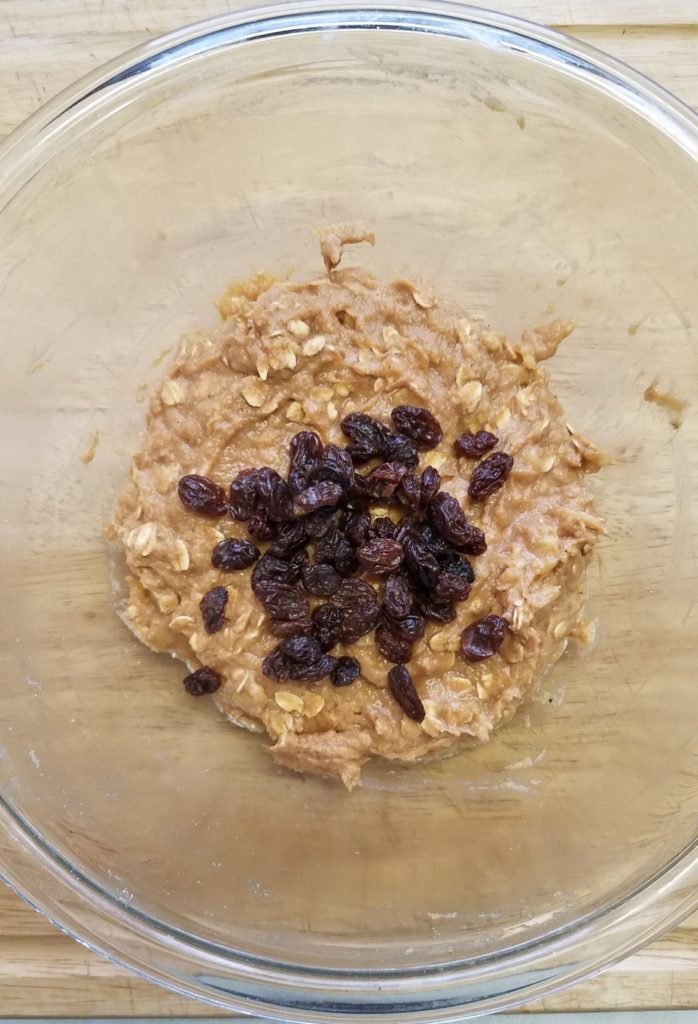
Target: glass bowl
<point>522,173</point>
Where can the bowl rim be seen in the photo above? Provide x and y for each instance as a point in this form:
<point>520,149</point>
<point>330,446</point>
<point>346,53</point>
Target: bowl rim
<point>179,961</point>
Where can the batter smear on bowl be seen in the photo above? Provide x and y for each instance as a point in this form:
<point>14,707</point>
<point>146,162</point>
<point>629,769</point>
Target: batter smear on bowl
<point>359,518</point>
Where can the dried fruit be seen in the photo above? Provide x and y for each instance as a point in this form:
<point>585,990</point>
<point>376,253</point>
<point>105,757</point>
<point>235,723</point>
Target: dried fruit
<point>261,527</point>
<point>199,494</point>
<point>392,646</point>
<point>291,538</point>
<point>345,560</point>
<point>321,495</point>
<point>410,491</point>
<point>306,452</point>
<point>345,671</point>
<point>354,524</point>
<point>359,602</point>
<point>483,638</point>
<point>319,522</point>
<point>399,448</point>
<point>420,563</point>
<point>456,565</point>
<point>407,527</point>
<point>489,475</point>
<point>405,693</point>
<point>367,434</point>
<point>293,627</point>
<point>410,626</point>
<point>382,481</point>
<point>360,453</point>
<point>382,528</point>
<point>335,465</point>
<point>270,569</point>
<point>449,519</point>
<point>234,554</point>
<point>274,495</point>
<point>243,494</point>
<point>432,608</point>
<point>430,483</point>
<point>397,596</point>
<point>451,588</point>
<point>312,671</point>
<point>203,680</point>
<point>381,556</point>
<point>321,580</point>
<point>418,424</point>
<point>212,607</point>
<point>327,625</point>
<point>474,446</point>
<point>283,601</point>
<point>301,648</point>
<point>432,539</point>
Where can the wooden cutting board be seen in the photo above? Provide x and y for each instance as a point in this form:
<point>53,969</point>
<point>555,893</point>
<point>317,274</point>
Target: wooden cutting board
<point>44,47</point>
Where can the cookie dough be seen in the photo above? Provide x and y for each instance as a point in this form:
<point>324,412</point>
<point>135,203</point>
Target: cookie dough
<point>291,356</point>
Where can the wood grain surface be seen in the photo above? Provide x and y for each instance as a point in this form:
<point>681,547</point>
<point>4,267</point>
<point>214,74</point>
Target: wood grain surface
<point>43,48</point>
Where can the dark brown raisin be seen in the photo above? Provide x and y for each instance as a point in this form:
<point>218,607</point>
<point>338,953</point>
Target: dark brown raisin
<point>306,451</point>
<point>489,475</point>
<point>202,681</point>
<point>405,693</point>
<point>382,528</point>
<point>359,602</point>
<point>382,481</point>
<point>327,625</point>
<point>326,547</point>
<point>234,554</point>
<point>449,519</point>
<point>474,446</point>
<point>407,527</point>
<point>483,638</point>
<point>319,522</point>
<point>399,448</point>
<point>301,648</point>
<point>335,465</point>
<point>360,453</point>
<point>199,494</point>
<point>324,494</point>
<point>212,607</point>
<point>345,671</point>
<point>277,666</point>
<point>381,556</point>
<point>410,626</point>
<point>456,565</point>
<point>418,424</point>
<point>354,523</point>
<point>392,646</point>
<point>305,666</point>
<point>321,580</point>
<point>309,671</point>
<point>261,527</point>
<point>270,569</point>
<point>397,596</point>
<point>274,495</point>
<point>451,588</point>
<point>367,434</point>
<point>420,563</point>
<point>345,560</point>
<point>439,611</point>
<point>432,539</point>
<point>409,492</point>
<point>430,483</point>
<point>283,601</point>
<point>243,494</point>
<point>293,627</point>
<point>291,538</point>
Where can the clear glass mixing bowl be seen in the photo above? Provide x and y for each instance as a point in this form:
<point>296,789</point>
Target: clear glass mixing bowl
<point>520,172</point>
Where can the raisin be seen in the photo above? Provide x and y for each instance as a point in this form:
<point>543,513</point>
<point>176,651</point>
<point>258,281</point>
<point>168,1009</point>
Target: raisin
<point>291,538</point>
<point>261,527</point>
<point>405,693</point>
<point>203,680</point>
<point>382,481</point>
<point>283,601</point>
<point>345,560</point>
<point>301,648</point>
<point>327,625</point>
<point>451,588</point>
<point>420,563</point>
<point>359,602</point>
<point>392,646</point>
<point>212,607</point>
<point>276,666</point>
<point>199,494</point>
<point>418,424</point>
<point>243,494</point>
<point>354,524</point>
<point>474,446</point>
<point>234,554</point>
<point>306,451</point>
<point>345,671</point>
<point>314,671</point>
<point>270,569</point>
<point>274,495</point>
<point>410,626</point>
<point>433,540</point>
<point>407,527</point>
<point>321,495</point>
<point>299,658</point>
<point>319,522</point>
<point>360,453</point>
<point>483,638</point>
<point>399,448</point>
<point>410,491</point>
<point>382,528</point>
<point>456,565</point>
<point>381,556</point>
<point>397,596</point>
<point>489,475</point>
<point>293,627</point>
<point>321,580</point>
<point>335,465</point>
<point>430,483</point>
<point>432,608</point>
<point>367,434</point>
<point>449,519</point>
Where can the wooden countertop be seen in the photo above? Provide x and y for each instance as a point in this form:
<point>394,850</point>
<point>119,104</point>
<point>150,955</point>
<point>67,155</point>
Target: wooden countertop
<point>45,46</point>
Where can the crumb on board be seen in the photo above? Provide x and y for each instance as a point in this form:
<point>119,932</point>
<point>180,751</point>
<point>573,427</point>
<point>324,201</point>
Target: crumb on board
<point>665,400</point>
<point>494,104</point>
<point>521,121</point>
<point>163,355</point>
<point>89,453</point>
<point>39,365</point>
<point>634,327</point>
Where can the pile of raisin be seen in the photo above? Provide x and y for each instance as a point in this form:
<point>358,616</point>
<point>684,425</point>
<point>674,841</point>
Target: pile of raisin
<point>332,571</point>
